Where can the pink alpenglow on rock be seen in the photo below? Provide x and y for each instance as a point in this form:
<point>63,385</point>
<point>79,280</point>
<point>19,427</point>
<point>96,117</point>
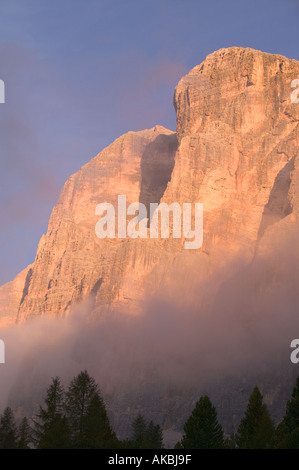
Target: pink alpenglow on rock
<point>235,151</point>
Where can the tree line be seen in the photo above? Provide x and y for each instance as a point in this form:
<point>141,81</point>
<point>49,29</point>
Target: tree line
<point>76,418</point>
<point>256,429</point>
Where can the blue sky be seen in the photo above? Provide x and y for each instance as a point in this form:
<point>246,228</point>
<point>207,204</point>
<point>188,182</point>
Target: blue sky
<point>79,73</point>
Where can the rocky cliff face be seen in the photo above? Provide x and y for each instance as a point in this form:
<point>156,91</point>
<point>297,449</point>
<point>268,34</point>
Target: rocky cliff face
<point>71,262</point>
<point>238,141</point>
<point>235,150</point>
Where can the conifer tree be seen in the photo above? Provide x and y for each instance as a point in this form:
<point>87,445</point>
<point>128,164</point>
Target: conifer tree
<point>146,435</point>
<point>202,430</point>
<point>287,433</point>
<point>89,424</point>
<point>256,429</point>
<point>96,429</point>
<point>51,426</point>
<point>24,434</point>
<point>8,430</point>
<point>139,432</point>
<point>154,436</point>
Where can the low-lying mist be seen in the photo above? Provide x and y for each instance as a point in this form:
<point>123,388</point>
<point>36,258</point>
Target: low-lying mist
<point>246,333</point>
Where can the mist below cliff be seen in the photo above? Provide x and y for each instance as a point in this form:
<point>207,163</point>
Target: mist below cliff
<point>159,361</point>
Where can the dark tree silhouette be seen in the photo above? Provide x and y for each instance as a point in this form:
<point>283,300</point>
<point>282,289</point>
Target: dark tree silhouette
<point>256,430</point>
<point>96,429</point>
<point>86,414</point>
<point>202,430</point>
<point>287,432</point>
<point>24,435</point>
<point>51,427</point>
<point>8,430</point>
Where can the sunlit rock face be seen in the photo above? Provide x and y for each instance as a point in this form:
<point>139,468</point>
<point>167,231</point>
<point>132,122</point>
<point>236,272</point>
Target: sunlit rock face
<point>235,151</point>
<point>215,320</point>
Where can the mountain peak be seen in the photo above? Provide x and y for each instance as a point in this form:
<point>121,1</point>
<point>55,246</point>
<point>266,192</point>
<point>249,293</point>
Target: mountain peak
<point>235,151</point>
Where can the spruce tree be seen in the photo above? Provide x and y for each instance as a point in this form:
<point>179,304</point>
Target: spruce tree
<point>8,430</point>
<point>287,433</point>
<point>202,430</point>
<point>139,432</point>
<point>51,426</point>
<point>256,429</point>
<point>86,414</point>
<point>280,436</point>
<point>145,435</point>
<point>96,429</point>
<point>154,436</point>
<point>24,435</point>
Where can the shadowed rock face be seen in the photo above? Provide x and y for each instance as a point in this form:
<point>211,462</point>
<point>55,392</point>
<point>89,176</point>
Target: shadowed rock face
<point>236,151</point>
<point>157,163</point>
